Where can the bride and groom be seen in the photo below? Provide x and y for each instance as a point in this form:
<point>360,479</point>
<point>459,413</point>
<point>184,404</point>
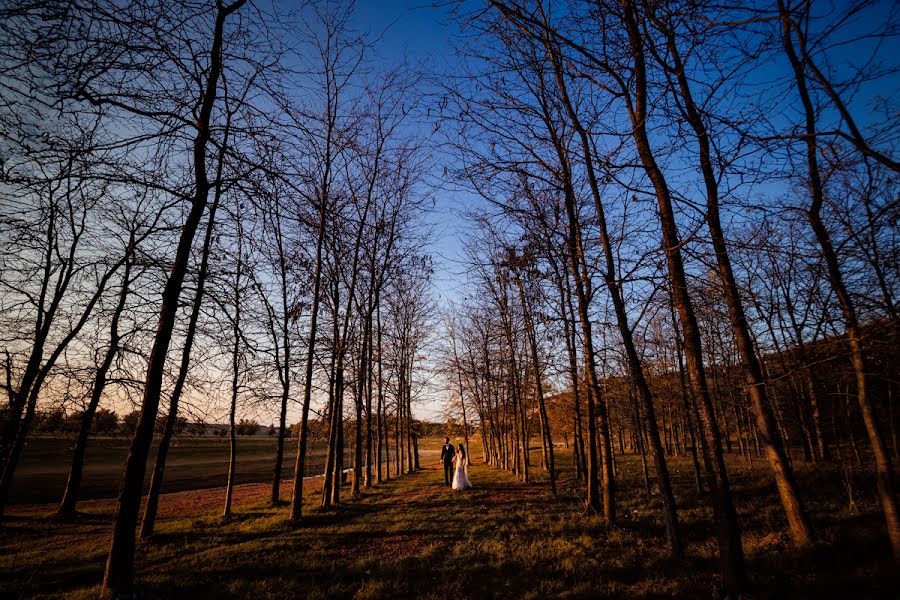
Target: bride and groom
<point>449,456</point>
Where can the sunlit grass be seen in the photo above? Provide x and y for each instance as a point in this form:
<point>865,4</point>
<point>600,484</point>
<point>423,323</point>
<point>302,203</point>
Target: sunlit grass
<point>412,537</point>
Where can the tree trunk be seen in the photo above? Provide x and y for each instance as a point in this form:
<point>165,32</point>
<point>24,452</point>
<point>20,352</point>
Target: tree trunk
<point>71,494</point>
<point>232,433</point>
<point>798,522</point>
<point>884,470</point>
<point>45,317</point>
<point>369,389</point>
<point>360,391</point>
<point>381,446</point>
<point>688,406</point>
<point>118,577</point>
<point>338,476</point>
<point>539,391</point>
<point>14,451</point>
<point>282,413</point>
<point>731,552</point>
<point>235,373</point>
<point>300,463</point>
<point>593,491</point>
<point>149,520</point>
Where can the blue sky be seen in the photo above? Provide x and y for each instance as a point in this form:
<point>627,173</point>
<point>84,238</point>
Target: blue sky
<point>420,33</point>
<point>412,26</point>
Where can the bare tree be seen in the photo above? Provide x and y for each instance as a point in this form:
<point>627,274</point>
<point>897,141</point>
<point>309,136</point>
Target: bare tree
<point>792,33</point>
<point>119,573</point>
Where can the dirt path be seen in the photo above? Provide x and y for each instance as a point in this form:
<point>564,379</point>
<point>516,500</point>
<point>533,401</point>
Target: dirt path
<point>191,503</point>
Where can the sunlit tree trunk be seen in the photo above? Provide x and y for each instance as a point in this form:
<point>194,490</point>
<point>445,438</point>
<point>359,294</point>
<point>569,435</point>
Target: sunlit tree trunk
<point>539,391</point>
<point>798,522</point>
<point>731,551</point>
<point>884,470</point>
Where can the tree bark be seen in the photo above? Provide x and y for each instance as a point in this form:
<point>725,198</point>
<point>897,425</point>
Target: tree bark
<point>300,462</point>
<point>798,522</point>
<point>539,391</point>
<point>149,520</point>
<point>609,276</point>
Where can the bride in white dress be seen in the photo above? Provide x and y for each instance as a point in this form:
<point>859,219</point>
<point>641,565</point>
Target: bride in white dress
<point>461,476</point>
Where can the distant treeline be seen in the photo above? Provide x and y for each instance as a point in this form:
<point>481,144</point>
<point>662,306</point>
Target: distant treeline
<point>109,423</point>
<point>818,379</point>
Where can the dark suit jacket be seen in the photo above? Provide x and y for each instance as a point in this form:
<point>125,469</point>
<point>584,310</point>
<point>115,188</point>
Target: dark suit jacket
<point>447,452</point>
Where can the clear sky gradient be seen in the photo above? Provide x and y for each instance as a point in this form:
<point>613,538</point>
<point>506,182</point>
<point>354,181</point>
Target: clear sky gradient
<point>421,34</point>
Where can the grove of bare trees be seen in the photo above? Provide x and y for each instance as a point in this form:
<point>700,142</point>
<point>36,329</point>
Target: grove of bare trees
<point>209,201</point>
<point>684,243</point>
<point>667,200</point>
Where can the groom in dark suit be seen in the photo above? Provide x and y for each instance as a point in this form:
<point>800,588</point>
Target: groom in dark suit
<point>447,453</point>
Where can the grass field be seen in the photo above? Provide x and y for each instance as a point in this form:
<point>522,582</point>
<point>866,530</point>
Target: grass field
<point>411,537</point>
<point>193,463</point>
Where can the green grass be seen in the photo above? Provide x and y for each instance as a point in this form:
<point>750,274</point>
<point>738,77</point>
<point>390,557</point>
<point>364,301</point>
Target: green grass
<point>411,537</point>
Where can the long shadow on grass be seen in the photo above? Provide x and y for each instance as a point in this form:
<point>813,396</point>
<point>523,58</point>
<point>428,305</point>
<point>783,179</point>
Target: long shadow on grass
<point>828,569</point>
<point>47,580</point>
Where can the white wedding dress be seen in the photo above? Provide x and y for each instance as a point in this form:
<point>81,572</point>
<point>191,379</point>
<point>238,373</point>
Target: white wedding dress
<point>461,476</point>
